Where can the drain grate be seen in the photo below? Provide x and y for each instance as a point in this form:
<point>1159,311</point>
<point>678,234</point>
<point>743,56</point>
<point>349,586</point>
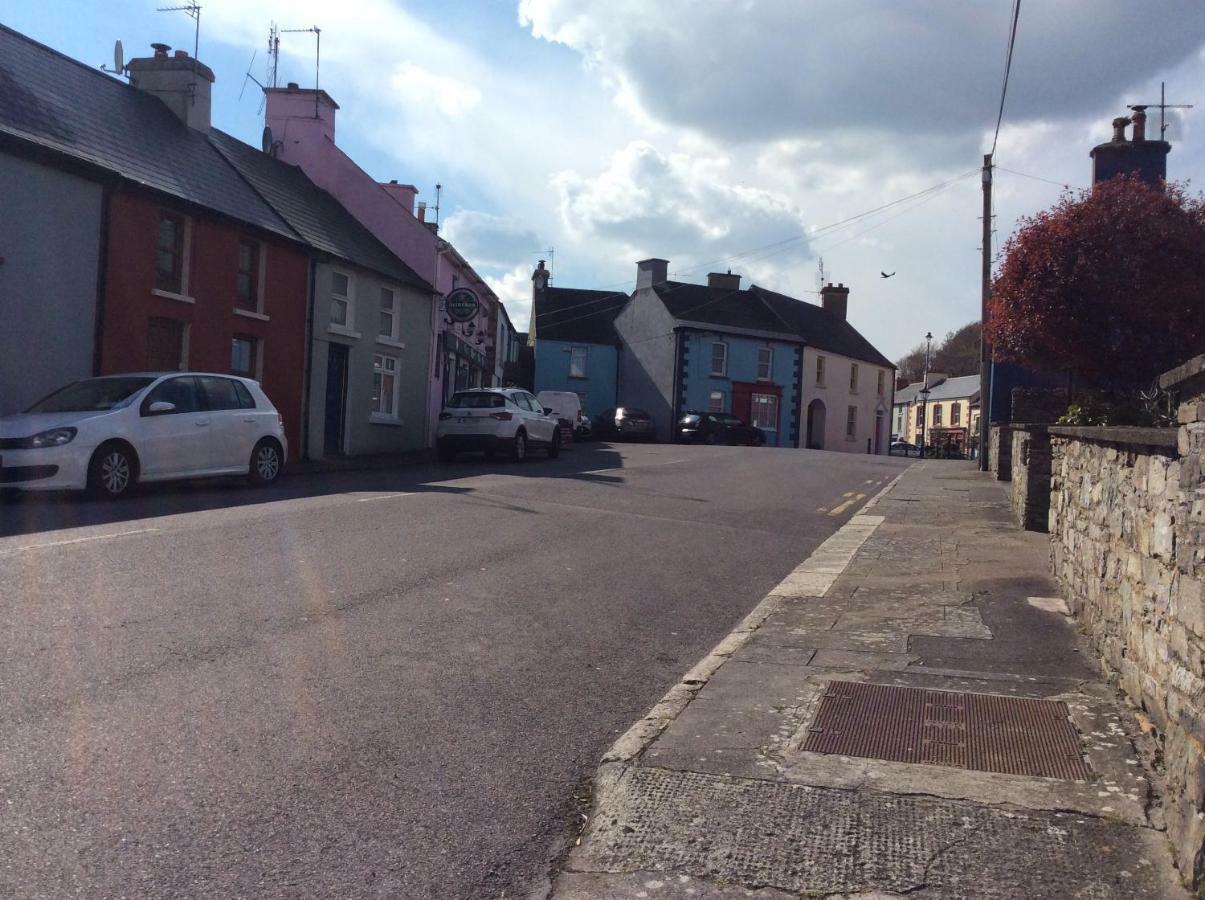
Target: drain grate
<point>984,732</point>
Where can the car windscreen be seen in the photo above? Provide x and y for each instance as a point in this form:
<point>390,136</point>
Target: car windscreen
<point>92,395</point>
<point>472,400</point>
<point>630,413</point>
<point>729,420</point>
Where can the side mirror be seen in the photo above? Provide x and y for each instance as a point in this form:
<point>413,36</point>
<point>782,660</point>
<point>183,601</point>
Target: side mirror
<point>548,410</point>
<point>159,407</point>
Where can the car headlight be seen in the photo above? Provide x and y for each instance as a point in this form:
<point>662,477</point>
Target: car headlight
<point>55,437</point>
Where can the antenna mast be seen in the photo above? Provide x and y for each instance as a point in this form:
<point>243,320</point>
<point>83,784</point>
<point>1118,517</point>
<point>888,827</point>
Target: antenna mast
<point>438,190</point>
<point>273,53</point>
<point>194,12</point>
<point>1162,105</point>
<point>551,254</point>
<point>317,32</point>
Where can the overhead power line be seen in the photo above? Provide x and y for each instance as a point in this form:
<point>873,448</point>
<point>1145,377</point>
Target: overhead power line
<point>1061,184</point>
<point>1008,65</point>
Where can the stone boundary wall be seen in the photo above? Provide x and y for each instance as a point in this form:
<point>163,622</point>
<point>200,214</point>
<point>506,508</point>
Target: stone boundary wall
<point>1127,526</point>
<point>1030,468</point>
<point>1000,462</point>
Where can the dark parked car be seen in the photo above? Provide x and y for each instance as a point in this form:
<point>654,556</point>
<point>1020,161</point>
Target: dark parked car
<point>903,448</point>
<point>624,423</point>
<point>718,428</point>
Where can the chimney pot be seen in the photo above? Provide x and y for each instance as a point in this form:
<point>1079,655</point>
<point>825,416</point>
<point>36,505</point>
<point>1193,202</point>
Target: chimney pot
<point>181,54</point>
<point>293,86</point>
<point>161,49</point>
<point>422,210</point>
<point>1139,133</point>
<point>1119,129</point>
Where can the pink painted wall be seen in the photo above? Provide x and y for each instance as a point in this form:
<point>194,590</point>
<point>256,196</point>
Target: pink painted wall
<point>304,139</point>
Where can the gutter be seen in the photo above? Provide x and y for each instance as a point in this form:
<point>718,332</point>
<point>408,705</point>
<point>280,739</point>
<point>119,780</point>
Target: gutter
<point>102,277</point>
<point>306,387</point>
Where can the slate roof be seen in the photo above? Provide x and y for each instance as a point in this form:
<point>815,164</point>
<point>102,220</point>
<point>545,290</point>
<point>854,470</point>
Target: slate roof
<point>948,389</point>
<point>720,307</point>
<point>580,316</point>
<point>320,220</point>
<point>907,394</point>
<point>821,329</point>
<point>59,104</point>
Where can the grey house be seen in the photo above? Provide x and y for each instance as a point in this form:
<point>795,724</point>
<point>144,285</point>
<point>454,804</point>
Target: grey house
<point>369,340</point>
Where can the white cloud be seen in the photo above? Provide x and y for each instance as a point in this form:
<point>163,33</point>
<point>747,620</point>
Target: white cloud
<point>490,240</point>
<point>514,290</point>
<point>415,85</point>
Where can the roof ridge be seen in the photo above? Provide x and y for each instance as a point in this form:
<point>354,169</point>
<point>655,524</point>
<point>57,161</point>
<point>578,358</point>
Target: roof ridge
<point>226,161</point>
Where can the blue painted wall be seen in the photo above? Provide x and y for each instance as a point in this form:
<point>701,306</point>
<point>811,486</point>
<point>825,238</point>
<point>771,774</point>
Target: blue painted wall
<point>698,382</point>
<point>597,388</point>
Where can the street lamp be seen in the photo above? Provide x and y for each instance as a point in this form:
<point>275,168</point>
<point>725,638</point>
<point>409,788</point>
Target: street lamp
<point>924,393</point>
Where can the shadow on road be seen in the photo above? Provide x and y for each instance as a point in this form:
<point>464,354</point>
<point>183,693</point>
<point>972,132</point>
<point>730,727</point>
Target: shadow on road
<point>32,513</point>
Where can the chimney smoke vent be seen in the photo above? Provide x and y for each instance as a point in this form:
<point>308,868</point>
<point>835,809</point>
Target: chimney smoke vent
<point>1139,133</point>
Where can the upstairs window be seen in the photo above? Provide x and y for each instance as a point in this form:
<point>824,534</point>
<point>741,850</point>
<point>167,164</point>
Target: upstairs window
<point>820,371</point>
<point>247,294</point>
<point>765,363</point>
<point>388,326</point>
<point>719,358</point>
<point>169,259</point>
<point>955,413</point>
<point>920,416</point>
<point>853,378</point>
<point>880,384</point>
<point>936,413</point>
<point>341,309</point>
<point>577,362</point>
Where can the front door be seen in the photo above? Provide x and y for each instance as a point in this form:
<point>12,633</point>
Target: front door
<point>336,398</point>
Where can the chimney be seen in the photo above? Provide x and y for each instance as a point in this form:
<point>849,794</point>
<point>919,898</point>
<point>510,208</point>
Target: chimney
<point>650,272</point>
<point>422,210</point>
<point>539,278</point>
<point>181,82</point>
<point>724,281</point>
<point>1119,129</point>
<point>300,118</point>
<point>1139,120</point>
<point>835,299</point>
<point>404,194</point>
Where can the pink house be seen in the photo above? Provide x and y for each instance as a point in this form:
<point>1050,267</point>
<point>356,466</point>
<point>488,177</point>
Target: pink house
<point>301,130</point>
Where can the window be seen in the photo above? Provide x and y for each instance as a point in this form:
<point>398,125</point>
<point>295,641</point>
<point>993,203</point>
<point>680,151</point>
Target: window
<point>853,378</point>
<point>765,411</point>
<point>955,413</point>
<point>719,358</point>
<point>820,371</point>
<point>341,309</point>
<point>247,295</point>
<point>715,402</point>
<point>182,393</point>
<point>936,413</point>
<point>577,362</point>
<point>384,386</point>
<point>244,356</point>
<point>388,326</point>
<point>165,344</point>
<point>169,258</point>
<point>245,400</point>
<point>879,389</point>
<point>765,363</point>
<point>920,416</point>
<point>220,393</point>
<point>851,423</point>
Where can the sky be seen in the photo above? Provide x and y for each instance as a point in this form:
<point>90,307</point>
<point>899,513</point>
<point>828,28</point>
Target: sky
<point>751,135</point>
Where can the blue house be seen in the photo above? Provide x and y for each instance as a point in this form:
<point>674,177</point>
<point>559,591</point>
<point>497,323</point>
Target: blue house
<point>709,347</point>
<point>573,336</point>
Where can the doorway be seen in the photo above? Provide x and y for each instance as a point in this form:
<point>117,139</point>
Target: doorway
<point>815,425</point>
<point>336,399</point>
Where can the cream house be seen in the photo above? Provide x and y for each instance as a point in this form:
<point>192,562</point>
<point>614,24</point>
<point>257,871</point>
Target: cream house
<point>945,415</point>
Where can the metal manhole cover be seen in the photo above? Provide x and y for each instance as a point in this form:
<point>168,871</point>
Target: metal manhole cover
<point>984,732</point>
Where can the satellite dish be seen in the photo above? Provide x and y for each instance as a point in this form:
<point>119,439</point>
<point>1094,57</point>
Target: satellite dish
<point>267,140</point>
<point>119,57</point>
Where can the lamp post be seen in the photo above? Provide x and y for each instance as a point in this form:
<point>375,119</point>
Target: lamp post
<point>924,393</point>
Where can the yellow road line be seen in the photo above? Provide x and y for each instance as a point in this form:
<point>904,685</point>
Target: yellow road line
<point>837,510</point>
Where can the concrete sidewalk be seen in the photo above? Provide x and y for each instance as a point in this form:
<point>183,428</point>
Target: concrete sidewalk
<point>991,762</point>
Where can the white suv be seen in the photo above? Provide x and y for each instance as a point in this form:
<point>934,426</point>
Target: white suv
<point>496,420</point>
<point>107,434</point>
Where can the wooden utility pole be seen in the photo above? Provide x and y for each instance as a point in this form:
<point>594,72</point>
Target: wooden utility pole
<point>985,353</point>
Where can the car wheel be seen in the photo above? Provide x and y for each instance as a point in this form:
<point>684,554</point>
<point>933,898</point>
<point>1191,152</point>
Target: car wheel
<point>711,440</point>
<point>112,472</point>
<point>266,463</point>
<point>519,449</point>
<point>554,449</point>
<point>758,440</point>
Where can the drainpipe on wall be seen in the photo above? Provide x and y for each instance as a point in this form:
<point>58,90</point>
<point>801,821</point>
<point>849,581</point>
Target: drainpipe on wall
<point>307,369</point>
<point>102,273</point>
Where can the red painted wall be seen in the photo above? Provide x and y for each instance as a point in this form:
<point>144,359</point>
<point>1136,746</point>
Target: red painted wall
<point>129,301</point>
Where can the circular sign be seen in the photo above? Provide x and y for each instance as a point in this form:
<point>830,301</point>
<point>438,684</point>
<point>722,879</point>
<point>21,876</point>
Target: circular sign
<point>461,305</point>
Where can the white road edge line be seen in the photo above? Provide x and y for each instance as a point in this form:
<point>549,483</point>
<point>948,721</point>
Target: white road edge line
<point>811,578</point>
<point>95,537</point>
<point>384,497</point>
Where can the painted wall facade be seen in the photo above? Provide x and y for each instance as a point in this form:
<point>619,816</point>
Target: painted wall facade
<point>646,366</point>
<point>50,239</point>
<point>830,391</point>
<point>596,387</point>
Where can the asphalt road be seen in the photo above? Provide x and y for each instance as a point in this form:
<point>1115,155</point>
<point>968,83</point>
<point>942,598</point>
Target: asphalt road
<point>385,683</point>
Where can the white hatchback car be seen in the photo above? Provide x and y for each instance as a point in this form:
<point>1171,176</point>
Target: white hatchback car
<point>107,434</point>
<point>496,420</point>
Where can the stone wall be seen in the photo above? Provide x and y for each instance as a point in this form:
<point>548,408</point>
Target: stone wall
<point>1030,468</point>
<point>1000,456</point>
<point>1127,523</point>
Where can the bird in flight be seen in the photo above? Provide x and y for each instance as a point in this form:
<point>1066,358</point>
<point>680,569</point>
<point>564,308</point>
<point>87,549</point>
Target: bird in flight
<point>884,274</point>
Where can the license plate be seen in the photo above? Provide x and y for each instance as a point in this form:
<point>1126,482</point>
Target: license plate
<point>463,420</point>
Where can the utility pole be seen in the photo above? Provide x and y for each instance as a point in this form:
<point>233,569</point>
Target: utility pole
<point>985,352</point>
<point>924,395</point>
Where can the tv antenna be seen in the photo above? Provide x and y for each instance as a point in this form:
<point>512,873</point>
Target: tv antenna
<point>1161,106</point>
<point>438,190</point>
<point>821,275</point>
<point>194,12</point>
<point>250,77</point>
<point>551,254</point>
<point>317,33</point>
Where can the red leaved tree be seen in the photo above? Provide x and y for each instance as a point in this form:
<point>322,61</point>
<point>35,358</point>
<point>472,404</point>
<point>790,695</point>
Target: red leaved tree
<point>1108,286</point>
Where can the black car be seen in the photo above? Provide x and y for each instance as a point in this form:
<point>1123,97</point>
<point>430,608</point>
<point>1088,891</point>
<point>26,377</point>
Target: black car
<point>718,428</point>
<point>624,423</point>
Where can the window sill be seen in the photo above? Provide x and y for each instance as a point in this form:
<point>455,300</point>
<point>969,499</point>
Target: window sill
<point>378,419</point>
<point>251,314</point>
<point>720,375</point>
<point>821,385</point>
<point>341,330</point>
<point>390,342</point>
<point>168,295</point>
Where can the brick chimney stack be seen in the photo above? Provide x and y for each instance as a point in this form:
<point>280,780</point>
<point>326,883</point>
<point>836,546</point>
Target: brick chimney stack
<point>724,281</point>
<point>651,271</point>
<point>835,299</point>
<point>181,82</point>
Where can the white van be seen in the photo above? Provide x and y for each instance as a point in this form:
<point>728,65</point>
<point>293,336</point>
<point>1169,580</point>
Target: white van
<point>565,405</point>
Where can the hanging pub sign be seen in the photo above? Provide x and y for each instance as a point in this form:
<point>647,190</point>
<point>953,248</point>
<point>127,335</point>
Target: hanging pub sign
<point>461,305</point>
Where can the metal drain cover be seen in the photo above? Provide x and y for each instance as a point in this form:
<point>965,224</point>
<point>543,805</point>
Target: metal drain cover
<point>984,732</point>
